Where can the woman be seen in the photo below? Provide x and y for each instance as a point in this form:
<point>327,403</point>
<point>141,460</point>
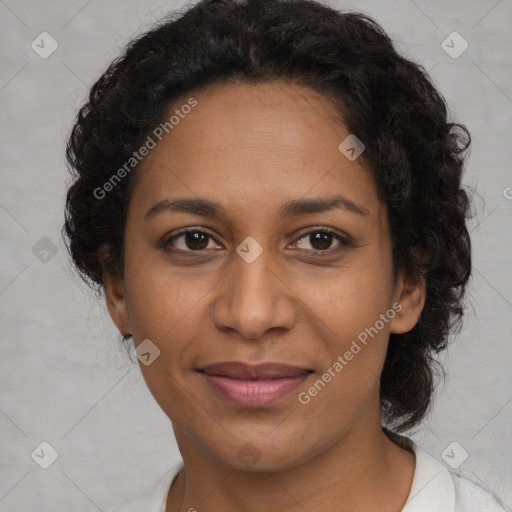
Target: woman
<point>270,197</point>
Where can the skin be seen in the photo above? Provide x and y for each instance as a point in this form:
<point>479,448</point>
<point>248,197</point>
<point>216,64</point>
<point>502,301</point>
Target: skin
<point>253,148</point>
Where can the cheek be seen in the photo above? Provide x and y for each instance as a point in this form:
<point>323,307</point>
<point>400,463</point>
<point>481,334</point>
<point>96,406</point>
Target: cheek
<point>161,297</point>
<point>169,311</point>
<point>354,348</point>
<point>354,296</point>
<point>354,308</point>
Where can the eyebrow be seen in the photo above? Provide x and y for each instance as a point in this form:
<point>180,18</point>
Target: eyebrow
<point>208,208</point>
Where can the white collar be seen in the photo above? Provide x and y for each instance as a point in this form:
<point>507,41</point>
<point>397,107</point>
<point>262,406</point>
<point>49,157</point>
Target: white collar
<point>432,487</point>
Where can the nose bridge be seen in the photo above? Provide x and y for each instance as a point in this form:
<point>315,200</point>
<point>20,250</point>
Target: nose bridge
<point>252,298</point>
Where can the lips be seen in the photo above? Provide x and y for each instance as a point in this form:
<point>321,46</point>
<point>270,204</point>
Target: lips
<point>253,385</point>
<point>237,370</point>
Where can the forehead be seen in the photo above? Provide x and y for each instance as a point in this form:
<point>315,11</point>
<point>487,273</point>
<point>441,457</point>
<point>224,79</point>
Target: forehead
<point>246,144</point>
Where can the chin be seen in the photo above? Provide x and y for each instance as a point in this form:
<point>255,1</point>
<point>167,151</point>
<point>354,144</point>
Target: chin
<point>259,453</point>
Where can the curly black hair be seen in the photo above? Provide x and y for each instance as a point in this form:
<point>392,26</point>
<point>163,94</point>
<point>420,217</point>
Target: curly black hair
<point>415,155</point>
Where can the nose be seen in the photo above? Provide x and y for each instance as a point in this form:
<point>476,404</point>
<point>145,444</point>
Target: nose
<point>254,298</point>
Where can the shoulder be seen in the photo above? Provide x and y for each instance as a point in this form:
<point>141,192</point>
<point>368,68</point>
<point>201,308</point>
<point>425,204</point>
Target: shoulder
<point>436,487</point>
<point>153,500</point>
<point>473,497</point>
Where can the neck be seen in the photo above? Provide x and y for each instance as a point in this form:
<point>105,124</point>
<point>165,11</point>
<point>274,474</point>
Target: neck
<point>338,479</point>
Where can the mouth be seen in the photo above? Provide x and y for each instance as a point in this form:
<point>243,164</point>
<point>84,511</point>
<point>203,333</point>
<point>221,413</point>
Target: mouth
<point>253,385</point>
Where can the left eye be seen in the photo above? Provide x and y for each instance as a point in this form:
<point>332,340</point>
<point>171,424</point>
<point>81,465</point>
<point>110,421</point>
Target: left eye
<point>322,239</point>
<point>195,240</point>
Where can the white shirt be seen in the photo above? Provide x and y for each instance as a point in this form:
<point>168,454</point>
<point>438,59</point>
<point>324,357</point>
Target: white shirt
<point>434,489</point>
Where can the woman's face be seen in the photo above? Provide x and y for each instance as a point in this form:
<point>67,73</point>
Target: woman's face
<point>259,280</point>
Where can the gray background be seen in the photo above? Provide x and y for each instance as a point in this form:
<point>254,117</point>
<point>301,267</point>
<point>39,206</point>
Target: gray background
<point>65,379</point>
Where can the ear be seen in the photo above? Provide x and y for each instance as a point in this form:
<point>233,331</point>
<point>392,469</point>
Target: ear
<point>410,294</point>
<point>115,298</point>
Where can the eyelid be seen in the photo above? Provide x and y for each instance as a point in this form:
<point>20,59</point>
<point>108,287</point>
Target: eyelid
<point>324,229</point>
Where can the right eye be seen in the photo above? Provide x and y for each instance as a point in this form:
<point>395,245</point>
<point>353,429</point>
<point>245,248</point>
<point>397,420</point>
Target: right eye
<point>191,240</point>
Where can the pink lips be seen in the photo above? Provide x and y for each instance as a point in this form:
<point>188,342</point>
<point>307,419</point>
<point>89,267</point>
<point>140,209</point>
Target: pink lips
<point>253,385</point>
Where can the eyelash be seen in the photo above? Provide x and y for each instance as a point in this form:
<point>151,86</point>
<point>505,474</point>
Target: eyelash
<point>344,242</point>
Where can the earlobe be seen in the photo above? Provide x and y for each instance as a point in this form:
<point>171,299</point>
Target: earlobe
<point>411,295</point>
<point>115,298</point>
